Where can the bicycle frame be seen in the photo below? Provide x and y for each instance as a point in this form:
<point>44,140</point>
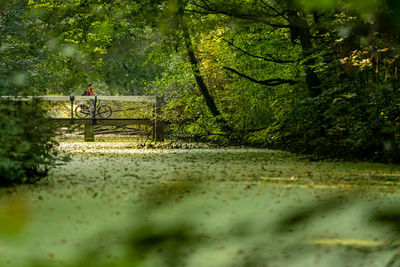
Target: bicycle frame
<point>94,109</point>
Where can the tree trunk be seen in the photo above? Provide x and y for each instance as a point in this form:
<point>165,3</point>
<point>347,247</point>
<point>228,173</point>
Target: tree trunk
<point>199,79</point>
<point>301,31</point>
<point>196,72</point>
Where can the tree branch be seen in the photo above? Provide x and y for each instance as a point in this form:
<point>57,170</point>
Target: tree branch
<point>269,59</point>
<point>205,3</point>
<point>197,12</point>
<point>262,19</point>
<point>269,82</point>
<point>281,14</point>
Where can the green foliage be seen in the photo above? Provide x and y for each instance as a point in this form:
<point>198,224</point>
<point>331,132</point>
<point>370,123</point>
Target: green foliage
<point>346,122</point>
<point>342,53</point>
<point>97,42</point>
<point>27,145</point>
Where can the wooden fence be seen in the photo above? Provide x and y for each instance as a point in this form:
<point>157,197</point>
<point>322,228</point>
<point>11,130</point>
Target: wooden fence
<point>157,124</point>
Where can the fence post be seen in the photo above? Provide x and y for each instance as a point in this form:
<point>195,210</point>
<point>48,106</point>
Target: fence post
<point>89,133</point>
<point>89,127</point>
<point>158,132</point>
<point>71,99</point>
<point>94,110</point>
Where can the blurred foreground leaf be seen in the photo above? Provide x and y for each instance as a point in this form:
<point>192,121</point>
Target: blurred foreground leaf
<point>13,217</point>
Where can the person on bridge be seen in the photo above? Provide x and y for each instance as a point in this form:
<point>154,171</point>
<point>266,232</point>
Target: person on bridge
<point>89,91</point>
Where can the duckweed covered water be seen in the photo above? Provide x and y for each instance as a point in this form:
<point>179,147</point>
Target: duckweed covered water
<point>115,205</point>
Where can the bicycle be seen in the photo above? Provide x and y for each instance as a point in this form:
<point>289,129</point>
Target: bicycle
<point>83,111</point>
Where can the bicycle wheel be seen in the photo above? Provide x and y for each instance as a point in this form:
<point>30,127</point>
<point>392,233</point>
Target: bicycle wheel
<point>104,111</point>
<point>82,111</point>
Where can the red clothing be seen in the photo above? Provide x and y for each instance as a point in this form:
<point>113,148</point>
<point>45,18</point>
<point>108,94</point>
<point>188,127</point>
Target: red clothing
<point>89,93</point>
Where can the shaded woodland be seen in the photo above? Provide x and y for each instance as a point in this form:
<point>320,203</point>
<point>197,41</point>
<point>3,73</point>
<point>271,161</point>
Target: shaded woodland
<point>288,110</point>
<point>312,77</point>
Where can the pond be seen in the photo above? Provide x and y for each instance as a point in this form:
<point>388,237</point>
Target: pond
<point>115,205</point>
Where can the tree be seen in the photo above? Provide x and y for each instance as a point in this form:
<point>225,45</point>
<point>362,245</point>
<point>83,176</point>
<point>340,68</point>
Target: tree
<point>283,16</point>
<point>27,148</point>
<point>301,75</point>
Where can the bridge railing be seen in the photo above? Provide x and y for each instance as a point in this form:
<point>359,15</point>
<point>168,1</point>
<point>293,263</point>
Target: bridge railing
<point>89,121</point>
<point>56,98</point>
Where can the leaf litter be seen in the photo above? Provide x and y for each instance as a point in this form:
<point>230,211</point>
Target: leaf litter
<point>244,205</point>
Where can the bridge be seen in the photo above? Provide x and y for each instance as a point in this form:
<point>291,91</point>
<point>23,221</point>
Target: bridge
<point>91,116</point>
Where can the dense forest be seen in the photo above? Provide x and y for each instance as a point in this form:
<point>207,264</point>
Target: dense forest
<point>282,137</point>
<point>313,77</point>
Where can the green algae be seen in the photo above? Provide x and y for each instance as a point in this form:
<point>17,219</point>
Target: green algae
<point>113,203</point>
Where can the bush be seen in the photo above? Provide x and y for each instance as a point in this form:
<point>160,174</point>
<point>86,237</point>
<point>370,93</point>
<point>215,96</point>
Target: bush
<point>27,147</point>
<point>346,122</point>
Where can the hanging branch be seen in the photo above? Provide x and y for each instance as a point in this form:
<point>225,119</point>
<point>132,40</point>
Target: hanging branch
<point>269,82</point>
<point>269,59</point>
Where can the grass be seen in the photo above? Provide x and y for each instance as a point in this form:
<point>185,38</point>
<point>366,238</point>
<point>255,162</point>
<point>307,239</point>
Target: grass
<point>115,205</point>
